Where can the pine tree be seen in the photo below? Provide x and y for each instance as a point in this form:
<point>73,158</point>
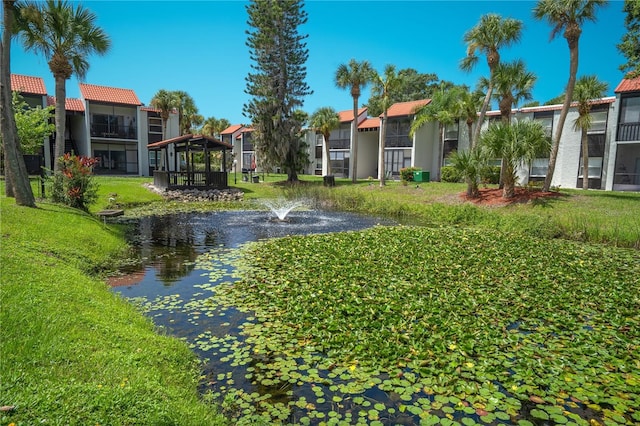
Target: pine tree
<point>277,82</point>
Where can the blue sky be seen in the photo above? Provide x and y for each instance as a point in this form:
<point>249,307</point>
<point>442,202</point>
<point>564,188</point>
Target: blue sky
<point>199,47</point>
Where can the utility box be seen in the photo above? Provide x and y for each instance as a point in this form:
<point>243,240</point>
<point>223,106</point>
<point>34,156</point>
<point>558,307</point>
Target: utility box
<point>420,176</point>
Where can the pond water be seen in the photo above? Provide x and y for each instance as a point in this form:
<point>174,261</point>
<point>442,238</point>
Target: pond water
<point>185,256</point>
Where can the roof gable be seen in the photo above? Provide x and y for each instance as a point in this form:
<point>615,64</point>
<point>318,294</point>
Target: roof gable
<point>231,129</point>
<point>370,123</point>
<point>70,104</point>
<point>28,84</point>
<point>628,85</point>
<point>347,116</point>
<point>405,108</point>
<point>112,95</point>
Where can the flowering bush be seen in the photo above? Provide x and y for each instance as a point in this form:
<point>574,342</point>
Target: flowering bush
<point>73,185</point>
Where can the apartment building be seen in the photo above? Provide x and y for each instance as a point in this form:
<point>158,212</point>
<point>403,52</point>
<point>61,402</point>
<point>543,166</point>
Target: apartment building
<point>108,123</point>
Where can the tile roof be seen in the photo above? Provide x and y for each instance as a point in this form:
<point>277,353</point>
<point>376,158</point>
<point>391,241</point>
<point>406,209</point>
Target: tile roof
<point>110,95</point>
<point>628,85</point>
<point>346,116</point>
<point>370,123</point>
<point>27,84</point>
<point>405,108</point>
<point>70,104</point>
<point>231,129</point>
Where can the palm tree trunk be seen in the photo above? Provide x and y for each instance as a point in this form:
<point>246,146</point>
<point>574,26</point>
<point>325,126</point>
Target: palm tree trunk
<point>509,185</point>
<point>327,152</point>
<point>585,159</point>
<point>61,94</point>
<point>354,142</point>
<point>573,70</point>
<point>383,138</point>
<point>17,178</point>
<point>483,112</point>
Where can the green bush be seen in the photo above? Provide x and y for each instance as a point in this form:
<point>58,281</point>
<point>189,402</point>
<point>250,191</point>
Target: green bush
<point>406,173</point>
<point>490,175</point>
<point>450,174</point>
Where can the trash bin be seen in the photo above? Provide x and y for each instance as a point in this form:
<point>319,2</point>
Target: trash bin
<point>420,176</point>
<point>255,179</point>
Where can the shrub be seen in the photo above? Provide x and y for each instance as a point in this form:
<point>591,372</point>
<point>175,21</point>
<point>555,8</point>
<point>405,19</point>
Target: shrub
<point>450,174</point>
<point>73,185</point>
<point>490,175</point>
<point>406,173</point>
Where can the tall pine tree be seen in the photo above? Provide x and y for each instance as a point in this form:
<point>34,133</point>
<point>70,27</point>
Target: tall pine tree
<point>277,82</point>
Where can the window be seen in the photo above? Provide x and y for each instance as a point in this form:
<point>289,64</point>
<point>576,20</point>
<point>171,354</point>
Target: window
<point>155,125</point>
<point>539,167</point>
<point>396,159</point>
<point>398,132</point>
<point>546,119</point>
<point>598,121</point>
<point>629,121</point>
<point>247,142</point>
<point>451,131</point>
<point>595,168</point>
<point>630,110</point>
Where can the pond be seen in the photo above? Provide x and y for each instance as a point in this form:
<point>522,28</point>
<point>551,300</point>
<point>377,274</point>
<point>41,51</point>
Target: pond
<point>188,258</point>
<point>184,256</point>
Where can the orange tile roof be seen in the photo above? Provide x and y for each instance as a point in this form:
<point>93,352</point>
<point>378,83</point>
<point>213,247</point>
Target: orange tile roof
<point>346,116</point>
<point>406,108</point>
<point>110,95</point>
<point>27,84</point>
<point>70,104</point>
<point>231,129</point>
<point>628,85</point>
<point>370,124</point>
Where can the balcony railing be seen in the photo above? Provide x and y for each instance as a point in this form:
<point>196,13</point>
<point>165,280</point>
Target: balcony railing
<point>114,131</point>
<point>628,132</point>
<point>182,180</point>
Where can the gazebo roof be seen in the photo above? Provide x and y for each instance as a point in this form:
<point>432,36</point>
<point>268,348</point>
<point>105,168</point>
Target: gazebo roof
<point>181,142</point>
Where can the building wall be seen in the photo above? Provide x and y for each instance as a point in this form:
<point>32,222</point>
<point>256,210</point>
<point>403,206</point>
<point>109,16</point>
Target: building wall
<point>368,149</point>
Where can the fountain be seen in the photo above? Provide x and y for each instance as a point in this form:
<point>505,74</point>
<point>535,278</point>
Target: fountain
<point>281,207</point>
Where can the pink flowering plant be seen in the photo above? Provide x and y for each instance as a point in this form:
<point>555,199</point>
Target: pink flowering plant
<point>74,185</point>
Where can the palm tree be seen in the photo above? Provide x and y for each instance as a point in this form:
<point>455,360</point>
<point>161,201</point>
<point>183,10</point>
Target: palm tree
<point>354,76</point>
<point>469,163</point>
<point>17,180</point>
<point>165,101</point>
<point>512,83</point>
<point>187,111</point>
<point>66,35</point>
<point>469,103</point>
<point>567,16</point>
<point>213,126</point>
<point>488,36</point>
<point>444,108</point>
<point>324,120</point>
<point>385,87</point>
<point>521,141</point>
<point>587,88</point>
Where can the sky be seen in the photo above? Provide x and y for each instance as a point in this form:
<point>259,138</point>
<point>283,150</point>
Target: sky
<point>200,47</point>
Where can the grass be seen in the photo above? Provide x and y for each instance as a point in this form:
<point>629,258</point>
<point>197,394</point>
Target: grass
<point>72,352</point>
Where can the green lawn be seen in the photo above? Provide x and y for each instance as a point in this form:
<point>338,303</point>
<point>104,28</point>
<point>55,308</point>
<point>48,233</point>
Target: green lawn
<point>73,353</point>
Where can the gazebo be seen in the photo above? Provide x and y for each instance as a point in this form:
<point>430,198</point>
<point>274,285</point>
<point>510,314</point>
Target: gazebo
<point>172,173</point>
